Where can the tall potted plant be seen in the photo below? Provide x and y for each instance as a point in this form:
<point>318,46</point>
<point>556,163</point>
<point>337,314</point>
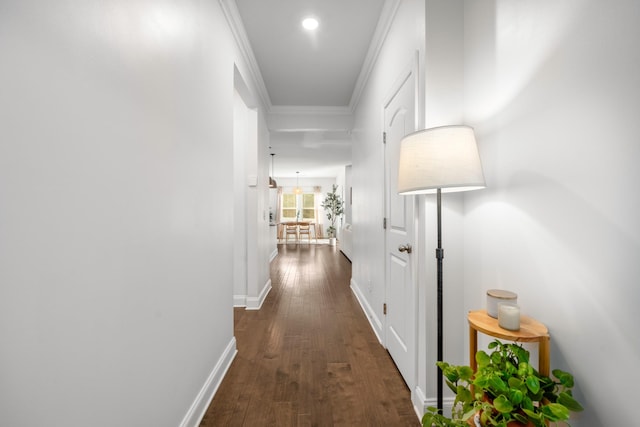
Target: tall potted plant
<point>334,207</point>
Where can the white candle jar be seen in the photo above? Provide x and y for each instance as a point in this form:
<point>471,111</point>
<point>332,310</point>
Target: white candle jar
<point>497,296</point>
<point>509,316</point>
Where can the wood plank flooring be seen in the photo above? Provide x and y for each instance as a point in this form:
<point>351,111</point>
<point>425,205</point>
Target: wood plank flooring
<point>308,357</point>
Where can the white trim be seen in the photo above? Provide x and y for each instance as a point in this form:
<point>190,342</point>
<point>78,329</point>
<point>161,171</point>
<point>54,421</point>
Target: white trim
<point>310,110</point>
<point>239,300</point>
<point>273,255</point>
<point>205,396</point>
<point>254,303</point>
<point>231,13</point>
<point>375,323</point>
<point>387,15</point>
<point>421,403</point>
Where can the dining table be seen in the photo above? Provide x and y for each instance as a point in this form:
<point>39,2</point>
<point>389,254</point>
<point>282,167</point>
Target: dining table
<point>282,225</point>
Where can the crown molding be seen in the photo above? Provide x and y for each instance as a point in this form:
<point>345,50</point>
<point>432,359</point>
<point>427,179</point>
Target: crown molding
<point>387,15</point>
<point>231,13</point>
<point>312,110</point>
<point>309,118</point>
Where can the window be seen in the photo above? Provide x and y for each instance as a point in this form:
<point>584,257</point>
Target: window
<point>298,207</point>
<point>308,207</point>
<point>289,207</point>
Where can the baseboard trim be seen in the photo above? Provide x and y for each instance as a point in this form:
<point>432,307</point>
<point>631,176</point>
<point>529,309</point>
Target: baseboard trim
<point>273,255</point>
<point>239,300</point>
<point>421,403</point>
<point>254,303</point>
<point>375,323</point>
<point>205,396</point>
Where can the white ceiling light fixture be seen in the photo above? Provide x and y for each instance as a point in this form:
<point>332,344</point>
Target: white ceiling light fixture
<point>310,24</point>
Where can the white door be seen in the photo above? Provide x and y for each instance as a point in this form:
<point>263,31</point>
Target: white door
<point>400,289</point>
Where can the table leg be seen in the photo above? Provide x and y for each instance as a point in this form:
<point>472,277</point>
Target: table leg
<point>543,356</point>
<point>473,348</point>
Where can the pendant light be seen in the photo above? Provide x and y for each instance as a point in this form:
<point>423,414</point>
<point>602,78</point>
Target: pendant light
<point>272,182</point>
<point>297,190</point>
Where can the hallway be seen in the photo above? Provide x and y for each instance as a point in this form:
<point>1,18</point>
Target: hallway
<point>308,357</point>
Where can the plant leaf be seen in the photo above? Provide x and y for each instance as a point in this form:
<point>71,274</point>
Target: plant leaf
<point>565,378</point>
<point>527,403</point>
<point>451,386</point>
<point>516,396</point>
<point>515,382</point>
<point>521,418</point>
<point>497,384</point>
<point>463,394</point>
<point>533,384</point>
<point>451,373</point>
<point>502,404</point>
<point>555,411</point>
<point>482,359</point>
<point>521,354</point>
<point>481,381</point>
<point>569,402</point>
<point>465,373</point>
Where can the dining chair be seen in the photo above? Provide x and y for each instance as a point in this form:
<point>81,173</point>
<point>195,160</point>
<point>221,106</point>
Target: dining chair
<point>291,230</point>
<point>304,230</point>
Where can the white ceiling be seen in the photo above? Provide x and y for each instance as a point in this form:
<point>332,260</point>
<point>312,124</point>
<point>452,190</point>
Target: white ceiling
<point>301,71</point>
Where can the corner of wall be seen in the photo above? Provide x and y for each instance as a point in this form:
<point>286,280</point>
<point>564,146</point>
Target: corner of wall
<point>254,303</point>
<point>205,396</point>
<point>239,300</point>
<point>273,254</point>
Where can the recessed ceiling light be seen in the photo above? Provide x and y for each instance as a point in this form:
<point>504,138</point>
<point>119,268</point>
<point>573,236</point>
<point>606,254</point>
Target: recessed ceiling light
<point>310,24</point>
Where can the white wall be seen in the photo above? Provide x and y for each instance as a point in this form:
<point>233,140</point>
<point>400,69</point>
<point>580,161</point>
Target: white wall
<point>342,191</point>
<point>244,135</point>
<point>405,38</point>
<point>253,246</point>
<point>444,96</point>
<point>348,188</point>
<point>259,242</point>
<point>115,260</point>
<point>553,90</point>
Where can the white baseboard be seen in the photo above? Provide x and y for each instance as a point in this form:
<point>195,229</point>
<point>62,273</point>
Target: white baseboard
<point>421,403</point>
<point>273,254</point>
<point>239,300</point>
<point>254,303</point>
<point>205,396</point>
<point>374,321</point>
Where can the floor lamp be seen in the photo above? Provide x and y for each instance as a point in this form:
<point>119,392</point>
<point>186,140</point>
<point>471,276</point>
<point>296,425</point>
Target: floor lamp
<point>436,160</point>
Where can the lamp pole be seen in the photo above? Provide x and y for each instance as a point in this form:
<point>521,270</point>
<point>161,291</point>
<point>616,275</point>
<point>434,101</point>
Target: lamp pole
<point>439,257</point>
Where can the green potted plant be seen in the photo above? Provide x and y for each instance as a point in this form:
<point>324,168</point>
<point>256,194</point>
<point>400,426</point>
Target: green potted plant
<point>334,208</point>
<point>505,391</point>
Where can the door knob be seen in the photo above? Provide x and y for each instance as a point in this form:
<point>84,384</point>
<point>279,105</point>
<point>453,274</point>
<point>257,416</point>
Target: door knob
<point>405,248</point>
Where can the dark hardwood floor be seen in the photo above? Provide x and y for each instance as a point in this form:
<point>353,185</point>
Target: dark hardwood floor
<point>308,357</point>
